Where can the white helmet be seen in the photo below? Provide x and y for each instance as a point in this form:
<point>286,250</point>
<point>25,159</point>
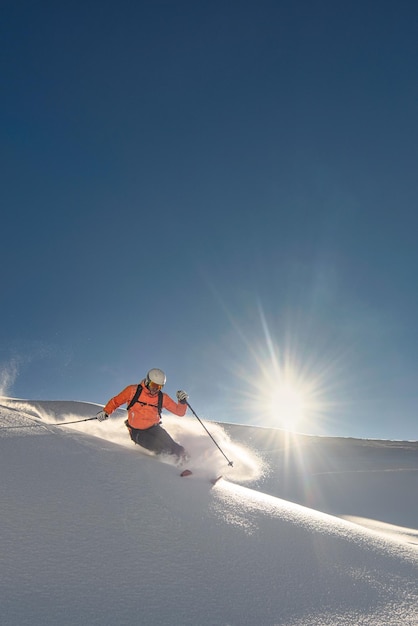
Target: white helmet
<point>155,376</point>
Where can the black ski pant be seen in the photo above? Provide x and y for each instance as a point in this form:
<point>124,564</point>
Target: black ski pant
<point>156,439</point>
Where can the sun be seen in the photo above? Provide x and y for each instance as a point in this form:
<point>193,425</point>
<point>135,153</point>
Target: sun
<point>288,405</point>
<point>285,392</point>
<point>285,386</point>
<point>288,395</point>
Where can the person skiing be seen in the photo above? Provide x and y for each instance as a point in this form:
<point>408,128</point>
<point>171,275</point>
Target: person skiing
<point>144,404</point>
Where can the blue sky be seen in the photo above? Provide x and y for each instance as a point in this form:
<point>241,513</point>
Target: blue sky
<point>225,190</point>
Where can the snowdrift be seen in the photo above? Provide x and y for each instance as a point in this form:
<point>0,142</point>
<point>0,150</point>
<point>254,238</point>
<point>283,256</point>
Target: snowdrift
<point>95,531</point>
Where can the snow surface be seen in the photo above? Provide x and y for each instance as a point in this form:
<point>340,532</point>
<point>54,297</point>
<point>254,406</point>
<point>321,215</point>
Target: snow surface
<point>300,531</point>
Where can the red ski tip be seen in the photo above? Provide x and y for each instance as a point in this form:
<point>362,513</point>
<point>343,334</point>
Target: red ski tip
<point>186,472</point>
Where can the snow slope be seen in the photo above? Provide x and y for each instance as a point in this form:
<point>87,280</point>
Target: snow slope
<point>94,531</point>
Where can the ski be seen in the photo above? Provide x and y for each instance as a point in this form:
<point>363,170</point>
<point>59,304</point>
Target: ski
<point>188,472</point>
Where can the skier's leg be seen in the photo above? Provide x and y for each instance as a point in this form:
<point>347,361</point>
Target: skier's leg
<point>159,441</point>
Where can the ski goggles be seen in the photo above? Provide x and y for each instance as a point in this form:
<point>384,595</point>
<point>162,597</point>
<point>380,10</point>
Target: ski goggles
<point>154,386</point>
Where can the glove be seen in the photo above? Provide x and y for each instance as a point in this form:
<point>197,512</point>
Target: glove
<point>101,416</point>
<point>182,397</point>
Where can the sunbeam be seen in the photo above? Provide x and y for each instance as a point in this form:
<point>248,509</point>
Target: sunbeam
<point>285,388</point>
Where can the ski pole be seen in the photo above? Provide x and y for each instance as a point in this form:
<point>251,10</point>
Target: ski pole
<point>217,445</point>
<point>33,417</point>
<point>87,419</point>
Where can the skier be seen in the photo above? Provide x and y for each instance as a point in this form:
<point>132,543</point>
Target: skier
<point>145,402</point>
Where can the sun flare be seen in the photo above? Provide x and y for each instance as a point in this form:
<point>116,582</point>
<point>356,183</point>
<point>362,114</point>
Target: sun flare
<point>285,388</point>
<point>286,396</point>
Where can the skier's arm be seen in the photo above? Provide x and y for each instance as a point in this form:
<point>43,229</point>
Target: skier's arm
<point>179,408</point>
<point>123,397</point>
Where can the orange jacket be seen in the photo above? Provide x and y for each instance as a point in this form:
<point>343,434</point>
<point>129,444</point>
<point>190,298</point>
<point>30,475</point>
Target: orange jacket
<point>143,416</point>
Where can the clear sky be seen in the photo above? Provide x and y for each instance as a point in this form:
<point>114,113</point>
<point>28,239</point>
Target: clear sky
<point>226,190</point>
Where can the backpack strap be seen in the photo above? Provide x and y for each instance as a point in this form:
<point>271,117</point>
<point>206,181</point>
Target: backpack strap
<point>136,399</point>
<point>160,403</point>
